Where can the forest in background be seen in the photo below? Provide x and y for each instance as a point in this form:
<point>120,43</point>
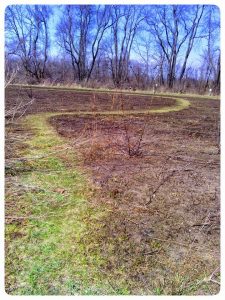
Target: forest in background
<point>149,47</point>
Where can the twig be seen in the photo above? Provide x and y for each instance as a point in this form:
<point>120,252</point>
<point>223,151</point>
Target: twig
<point>159,185</point>
<point>152,252</point>
<point>213,274</point>
<point>205,280</point>
<point>197,225</point>
<point>215,281</point>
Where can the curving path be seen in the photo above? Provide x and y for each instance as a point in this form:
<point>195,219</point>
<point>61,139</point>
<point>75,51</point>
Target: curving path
<point>180,103</point>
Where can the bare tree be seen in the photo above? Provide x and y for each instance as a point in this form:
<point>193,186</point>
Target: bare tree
<point>173,27</point>
<point>217,75</point>
<point>125,24</point>
<point>142,47</point>
<point>80,32</point>
<point>191,25</point>
<point>28,37</point>
<point>211,54</point>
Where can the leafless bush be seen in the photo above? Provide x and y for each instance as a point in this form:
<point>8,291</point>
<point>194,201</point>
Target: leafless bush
<point>120,137</point>
<point>10,75</point>
<point>15,109</point>
<point>20,106</point>
<point>134,145</point>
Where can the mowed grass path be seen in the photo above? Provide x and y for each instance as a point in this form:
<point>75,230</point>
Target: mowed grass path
<point>52,244</point>
<point>53,251</point>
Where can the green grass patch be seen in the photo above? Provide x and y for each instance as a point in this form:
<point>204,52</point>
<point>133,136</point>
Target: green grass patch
<point>53,250</point>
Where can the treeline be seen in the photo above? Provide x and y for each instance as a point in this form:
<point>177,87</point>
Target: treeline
<point>173,47</point>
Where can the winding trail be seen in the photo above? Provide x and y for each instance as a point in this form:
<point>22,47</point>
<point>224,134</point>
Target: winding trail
<point>179,105</point>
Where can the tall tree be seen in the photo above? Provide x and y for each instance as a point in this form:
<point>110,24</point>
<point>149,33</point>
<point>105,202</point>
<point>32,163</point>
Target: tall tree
<point>125,24</point>
<point>211,54</point>
<point>27,35</point>
<point>81,31</point>
<point>191,27</point>
<point>174,28</point>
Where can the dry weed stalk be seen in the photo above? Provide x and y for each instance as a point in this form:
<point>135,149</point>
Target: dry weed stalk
<point>133,146</point>
<point>114,100</point>
<point>93,103</point>
<point>13,134</point>
<point>94,151</point>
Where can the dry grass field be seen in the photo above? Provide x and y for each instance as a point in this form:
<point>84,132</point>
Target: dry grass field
<point>112,193</point>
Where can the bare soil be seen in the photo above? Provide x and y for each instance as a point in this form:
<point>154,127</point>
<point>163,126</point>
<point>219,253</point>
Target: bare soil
<point>62,100</point>
<point>164,199</point>
<point>159,176</point>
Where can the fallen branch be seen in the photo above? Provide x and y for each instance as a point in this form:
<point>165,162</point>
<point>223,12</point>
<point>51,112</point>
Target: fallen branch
<point>152,252</point>
<point>198,225</point>
<point>212,275</point>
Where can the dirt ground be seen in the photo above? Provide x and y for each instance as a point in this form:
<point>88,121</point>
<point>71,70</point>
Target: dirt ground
<point>169,189</point>
<point>60,100</point>
<point>159,177</point>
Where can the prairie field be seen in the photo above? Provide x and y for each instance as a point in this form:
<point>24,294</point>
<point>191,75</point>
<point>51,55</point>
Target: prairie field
<point>111,192</point>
